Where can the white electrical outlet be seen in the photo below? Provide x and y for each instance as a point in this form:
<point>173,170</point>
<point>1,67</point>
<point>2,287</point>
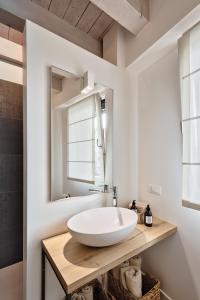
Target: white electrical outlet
<point>155,189</point>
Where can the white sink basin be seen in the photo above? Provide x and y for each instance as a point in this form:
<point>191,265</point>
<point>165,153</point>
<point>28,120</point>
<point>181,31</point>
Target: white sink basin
<point>104,226</point>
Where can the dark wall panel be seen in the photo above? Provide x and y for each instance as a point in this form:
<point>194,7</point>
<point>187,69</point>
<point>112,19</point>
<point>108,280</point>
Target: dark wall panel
<point>11,173</point>
<point>11,228</point>
<point>11,95</point>
<point>11,136</point>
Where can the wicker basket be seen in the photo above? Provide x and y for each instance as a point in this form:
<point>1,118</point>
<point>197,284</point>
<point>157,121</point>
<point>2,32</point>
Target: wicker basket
<point>150,289</point>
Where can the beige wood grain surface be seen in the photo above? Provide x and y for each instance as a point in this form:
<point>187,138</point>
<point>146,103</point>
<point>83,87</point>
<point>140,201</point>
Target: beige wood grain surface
<point>101,26</point>
<point>75,10</point>
<point>59,8</point>
<point>42,16</point>
<point>82,14</point>
<point>89,18</point>
<point>11,34</point>
<point>76,264</point>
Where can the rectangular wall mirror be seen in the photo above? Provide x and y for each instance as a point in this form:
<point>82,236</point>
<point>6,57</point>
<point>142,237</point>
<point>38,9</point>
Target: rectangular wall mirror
<point>81,135</point>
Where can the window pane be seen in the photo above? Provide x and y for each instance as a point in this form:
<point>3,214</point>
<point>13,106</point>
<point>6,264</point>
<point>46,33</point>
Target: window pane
<point>81,151</point>
<point>191,96</point>
<point>191,141</point>
<point>189,55</point>
<point>81,131</point>
<point>81,171</point>
<point>194,48</point>
<point>82,110</point>
<point>191,183</point>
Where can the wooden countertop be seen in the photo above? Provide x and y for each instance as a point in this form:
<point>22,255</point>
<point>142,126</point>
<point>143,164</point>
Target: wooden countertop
<point>76,265</point>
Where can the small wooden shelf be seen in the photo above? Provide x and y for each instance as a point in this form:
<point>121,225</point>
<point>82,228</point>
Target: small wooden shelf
<point>76,265</point>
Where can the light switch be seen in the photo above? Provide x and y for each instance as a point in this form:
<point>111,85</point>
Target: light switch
<point>155,189</point>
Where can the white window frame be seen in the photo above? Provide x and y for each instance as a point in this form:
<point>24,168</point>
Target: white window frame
<point>188,68</point>
<point>93,150</point>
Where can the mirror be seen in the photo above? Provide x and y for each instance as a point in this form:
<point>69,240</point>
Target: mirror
<point>81,135</point>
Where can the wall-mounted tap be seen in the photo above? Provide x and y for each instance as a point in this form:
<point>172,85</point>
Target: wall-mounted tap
<point>104,190</point>
<point>66,195</point>
<point>95,190</point>
<point>115,196</point>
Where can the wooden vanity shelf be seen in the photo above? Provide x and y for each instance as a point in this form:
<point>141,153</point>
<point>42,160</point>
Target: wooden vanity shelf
<point>76,265</point>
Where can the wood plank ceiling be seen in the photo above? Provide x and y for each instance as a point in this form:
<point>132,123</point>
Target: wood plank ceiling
<point>11,34</point>
<point>81,14</point>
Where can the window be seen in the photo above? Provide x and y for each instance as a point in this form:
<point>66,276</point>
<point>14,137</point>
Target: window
<point>189,54</point>
<point>81,141</point>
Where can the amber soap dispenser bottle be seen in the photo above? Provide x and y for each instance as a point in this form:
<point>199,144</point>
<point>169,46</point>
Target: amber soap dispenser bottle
<point>148,218</point>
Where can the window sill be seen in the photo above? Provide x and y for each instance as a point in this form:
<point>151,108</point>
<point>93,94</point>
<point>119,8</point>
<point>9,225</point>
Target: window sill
<point>191,205</point>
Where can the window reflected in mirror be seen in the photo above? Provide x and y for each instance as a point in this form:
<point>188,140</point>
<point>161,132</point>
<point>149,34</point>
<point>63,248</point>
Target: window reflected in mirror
<point>81,135</point>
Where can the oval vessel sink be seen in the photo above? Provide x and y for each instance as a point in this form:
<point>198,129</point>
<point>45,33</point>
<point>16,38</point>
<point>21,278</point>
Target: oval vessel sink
<point>104,226</point>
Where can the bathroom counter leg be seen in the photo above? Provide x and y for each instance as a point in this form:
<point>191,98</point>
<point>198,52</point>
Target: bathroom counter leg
<point>43,276</point>
<point>67,296</point>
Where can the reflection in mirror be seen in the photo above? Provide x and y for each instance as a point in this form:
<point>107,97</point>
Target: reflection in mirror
<point>81,135</point>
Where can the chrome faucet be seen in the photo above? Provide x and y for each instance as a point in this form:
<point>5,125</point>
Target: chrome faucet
<point>104,190</point>
<point>114,196</point>
<point>67,195</point>
<point>95,190</point>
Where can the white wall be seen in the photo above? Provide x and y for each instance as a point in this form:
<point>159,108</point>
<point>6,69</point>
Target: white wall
<point>164,15</point>
<point>152,104</point>
<point>42,217</point>
<point>175,261</point>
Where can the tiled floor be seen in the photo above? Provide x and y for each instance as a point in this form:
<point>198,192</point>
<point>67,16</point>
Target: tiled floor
<point>11,282</point>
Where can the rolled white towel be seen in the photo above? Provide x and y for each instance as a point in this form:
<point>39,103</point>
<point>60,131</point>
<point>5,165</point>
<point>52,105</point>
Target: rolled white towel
<point>110,296</point>
<point>78,296</point>
<point>87,292</point>
<point>122,276</point>
<point>136,261</point>
<point>133,278</point>
<point>116,270</point>
<point>105,281</point>
<point>125,264</point>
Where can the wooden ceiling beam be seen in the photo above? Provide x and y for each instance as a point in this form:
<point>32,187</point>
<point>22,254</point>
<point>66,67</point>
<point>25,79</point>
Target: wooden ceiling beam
<point>11,20</point>
<point>130,14</point>
<point>26,9</point>
<point>11,34</point>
